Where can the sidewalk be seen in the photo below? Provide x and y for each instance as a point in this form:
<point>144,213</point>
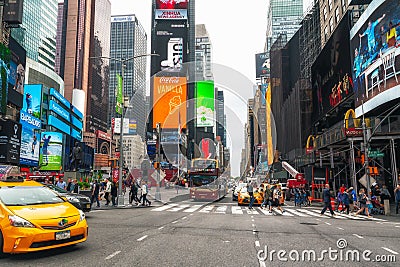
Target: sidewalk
<point>167,196</point>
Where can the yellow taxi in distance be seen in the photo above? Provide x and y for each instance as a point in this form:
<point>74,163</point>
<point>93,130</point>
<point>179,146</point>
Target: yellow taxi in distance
<point>244,197</point>
<point>33,218</point>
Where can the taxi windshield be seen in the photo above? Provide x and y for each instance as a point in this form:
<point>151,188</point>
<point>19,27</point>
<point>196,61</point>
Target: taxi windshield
<point>28,195</point>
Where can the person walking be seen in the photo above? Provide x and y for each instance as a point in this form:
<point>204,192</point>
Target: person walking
<point>397,198</point>
<point>346,201</point>
<point>107,192</point>
<point>363,200</point>
<point>133,193</point>
<point>144,194</point>
<point>276,197</point>
<point>75,187</point>
<point>339,200</point>
<point>326,196</point>
<point>267,196</point>
<point>250,190</point>
<point>95,193</point>
<point>114,193</point>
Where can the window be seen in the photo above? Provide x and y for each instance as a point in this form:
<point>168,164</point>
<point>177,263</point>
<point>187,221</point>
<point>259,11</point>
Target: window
<point>343,5</point>
<point>325,13</point>
<point>331,24</point>
<point>330,4</point>
<point>326,33</point>
<point>337,15</point>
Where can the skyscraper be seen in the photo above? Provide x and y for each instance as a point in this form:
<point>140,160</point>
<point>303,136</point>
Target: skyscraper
<point>221,123</point>
<point>284,17</point>
<point>203,53</point>
<point>37,33</point>
<point>87,38</point>
<point>128,39</point>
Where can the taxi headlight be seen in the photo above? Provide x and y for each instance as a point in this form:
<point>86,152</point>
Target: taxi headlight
<point>73,199</point>
<point>82,216</point>
<point>17,221</point>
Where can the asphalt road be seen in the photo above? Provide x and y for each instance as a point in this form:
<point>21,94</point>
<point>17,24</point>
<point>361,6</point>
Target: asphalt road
<point>190,233</point>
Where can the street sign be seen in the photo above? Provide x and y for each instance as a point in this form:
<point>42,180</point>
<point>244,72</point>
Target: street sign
<point>375,154</point>
<point>162,175</point>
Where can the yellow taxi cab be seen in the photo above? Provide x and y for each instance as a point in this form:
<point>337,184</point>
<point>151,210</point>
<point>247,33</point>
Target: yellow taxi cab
<point>244,197</point>
<point>33,218</point>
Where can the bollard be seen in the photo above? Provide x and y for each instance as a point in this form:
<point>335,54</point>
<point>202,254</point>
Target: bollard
<point>386,205</point>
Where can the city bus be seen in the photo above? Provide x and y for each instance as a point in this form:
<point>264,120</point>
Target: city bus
<point>205,180</point>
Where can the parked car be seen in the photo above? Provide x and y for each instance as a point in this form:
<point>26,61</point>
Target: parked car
<point>80,201</point>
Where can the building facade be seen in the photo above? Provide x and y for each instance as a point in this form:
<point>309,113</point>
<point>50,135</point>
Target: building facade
<point>87,38</point>
<point>37,33</point>
<point>203,54</point>
<point>128,39</point>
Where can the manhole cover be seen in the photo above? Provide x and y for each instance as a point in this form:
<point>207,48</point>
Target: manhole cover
<point>309,223</point>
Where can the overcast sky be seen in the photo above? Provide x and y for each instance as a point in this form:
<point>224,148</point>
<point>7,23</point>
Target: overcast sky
<point>237,31</point>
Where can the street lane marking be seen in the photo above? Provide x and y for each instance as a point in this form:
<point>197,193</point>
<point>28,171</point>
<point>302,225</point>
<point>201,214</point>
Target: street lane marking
<point>358,236</point>
<point>95,211</point>
<point>180,207</point>
<point>328,223</point>
<point>174,221</point>
<point>297,213</point>
<point>252,216</point>
<point>262,264</point>
<point>284,213</point>
<point>391,251</point>
<point>221,209</point>
<point>193,208</point>
<point>398,226</point>
<point>251,211</point>
<point>112,255</point>
<point>165,207</point>
<point>265,212</point>
<point>337,216</point>
<point>237,210</point>
<point>257,243</point>
<point>207,209</point>
<point>184,218</point>
<point>162,227</point>
<point>372,218</point>
<point>253,225</point>
<point>340,228</point>
<point>143,237</point>
<point>252,220</point>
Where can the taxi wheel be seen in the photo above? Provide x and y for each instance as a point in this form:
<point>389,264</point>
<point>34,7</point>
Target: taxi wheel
<point>1,245</point>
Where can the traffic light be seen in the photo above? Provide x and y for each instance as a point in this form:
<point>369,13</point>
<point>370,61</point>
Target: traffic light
<point>373,171</point>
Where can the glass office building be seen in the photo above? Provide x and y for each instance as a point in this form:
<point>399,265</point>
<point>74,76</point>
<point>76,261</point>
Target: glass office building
<point>37,33</point>
<point>128,39</point>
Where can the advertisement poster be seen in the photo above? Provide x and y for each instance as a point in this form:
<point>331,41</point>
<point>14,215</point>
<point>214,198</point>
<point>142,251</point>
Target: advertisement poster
<point>262,65</point>
<point>17,66</point>
<point>5,56</point>
<point>169,98</point>
<point>172,4</point>
<point>30,139</point>
<point>51,145</point>
<point>171,45</point>
<point>205,103</point>
<point>32,99</point>
<point>10,145</point>
<point>375,54</point>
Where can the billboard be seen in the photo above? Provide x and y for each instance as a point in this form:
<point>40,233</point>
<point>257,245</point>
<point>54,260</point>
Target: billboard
<point>375,55</point>
<point>12,13</point>
<point>10,136</point>
<point>132,126</point>
<point>171,44</point>
<point>5,57</point>
<point>117,126</point>
<point>331,73</point>
<point>205,103</point>
<point>172,4</point>
<point>169,101</point>
<point>17,66</point>
<point>51,145</point>
<point>177,14</point>
<point>30,138</point>
<point>263,65</point>
<point>32,99</point>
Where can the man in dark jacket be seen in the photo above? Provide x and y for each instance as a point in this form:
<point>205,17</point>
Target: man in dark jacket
<point>326,195</point>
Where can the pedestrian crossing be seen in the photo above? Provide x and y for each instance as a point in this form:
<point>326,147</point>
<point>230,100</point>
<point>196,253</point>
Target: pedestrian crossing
<point>238,210</point>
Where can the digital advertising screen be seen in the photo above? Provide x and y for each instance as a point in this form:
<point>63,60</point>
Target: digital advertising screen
<point>30,139</point>
<point>331,73</point>
<point>5,57</point>
<point>375,54</point>
<point>172,4</point>
<point>169,102</point>
<point>32,99</point>
<point>263,65</point>
<point>17,66</point>
<point>51,146</point>
<point>171,44</point>
<point>205,103</point>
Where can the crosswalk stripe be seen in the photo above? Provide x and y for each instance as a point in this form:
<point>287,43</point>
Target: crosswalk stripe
<point>315,214</point>
<point>221,209</point>
<point>207,209</point>
<point>237,210</point>
<point>165,207</point>
<point>251,211</point>
<point>297,213</point>
<point>284,213</point>
<point>338,216</point>
<point>180,207</point>
<point>372,218</point>
<point>265,212</point>
<point>193,208</point>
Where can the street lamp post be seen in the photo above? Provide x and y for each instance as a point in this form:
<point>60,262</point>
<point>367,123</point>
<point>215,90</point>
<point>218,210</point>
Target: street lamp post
<point>121,146</point>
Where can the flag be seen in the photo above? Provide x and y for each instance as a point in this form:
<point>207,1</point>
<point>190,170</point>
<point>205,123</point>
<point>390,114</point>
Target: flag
<point>118,106</point>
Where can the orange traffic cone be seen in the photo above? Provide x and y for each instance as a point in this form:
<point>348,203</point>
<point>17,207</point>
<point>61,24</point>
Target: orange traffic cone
<point>333,203</point>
